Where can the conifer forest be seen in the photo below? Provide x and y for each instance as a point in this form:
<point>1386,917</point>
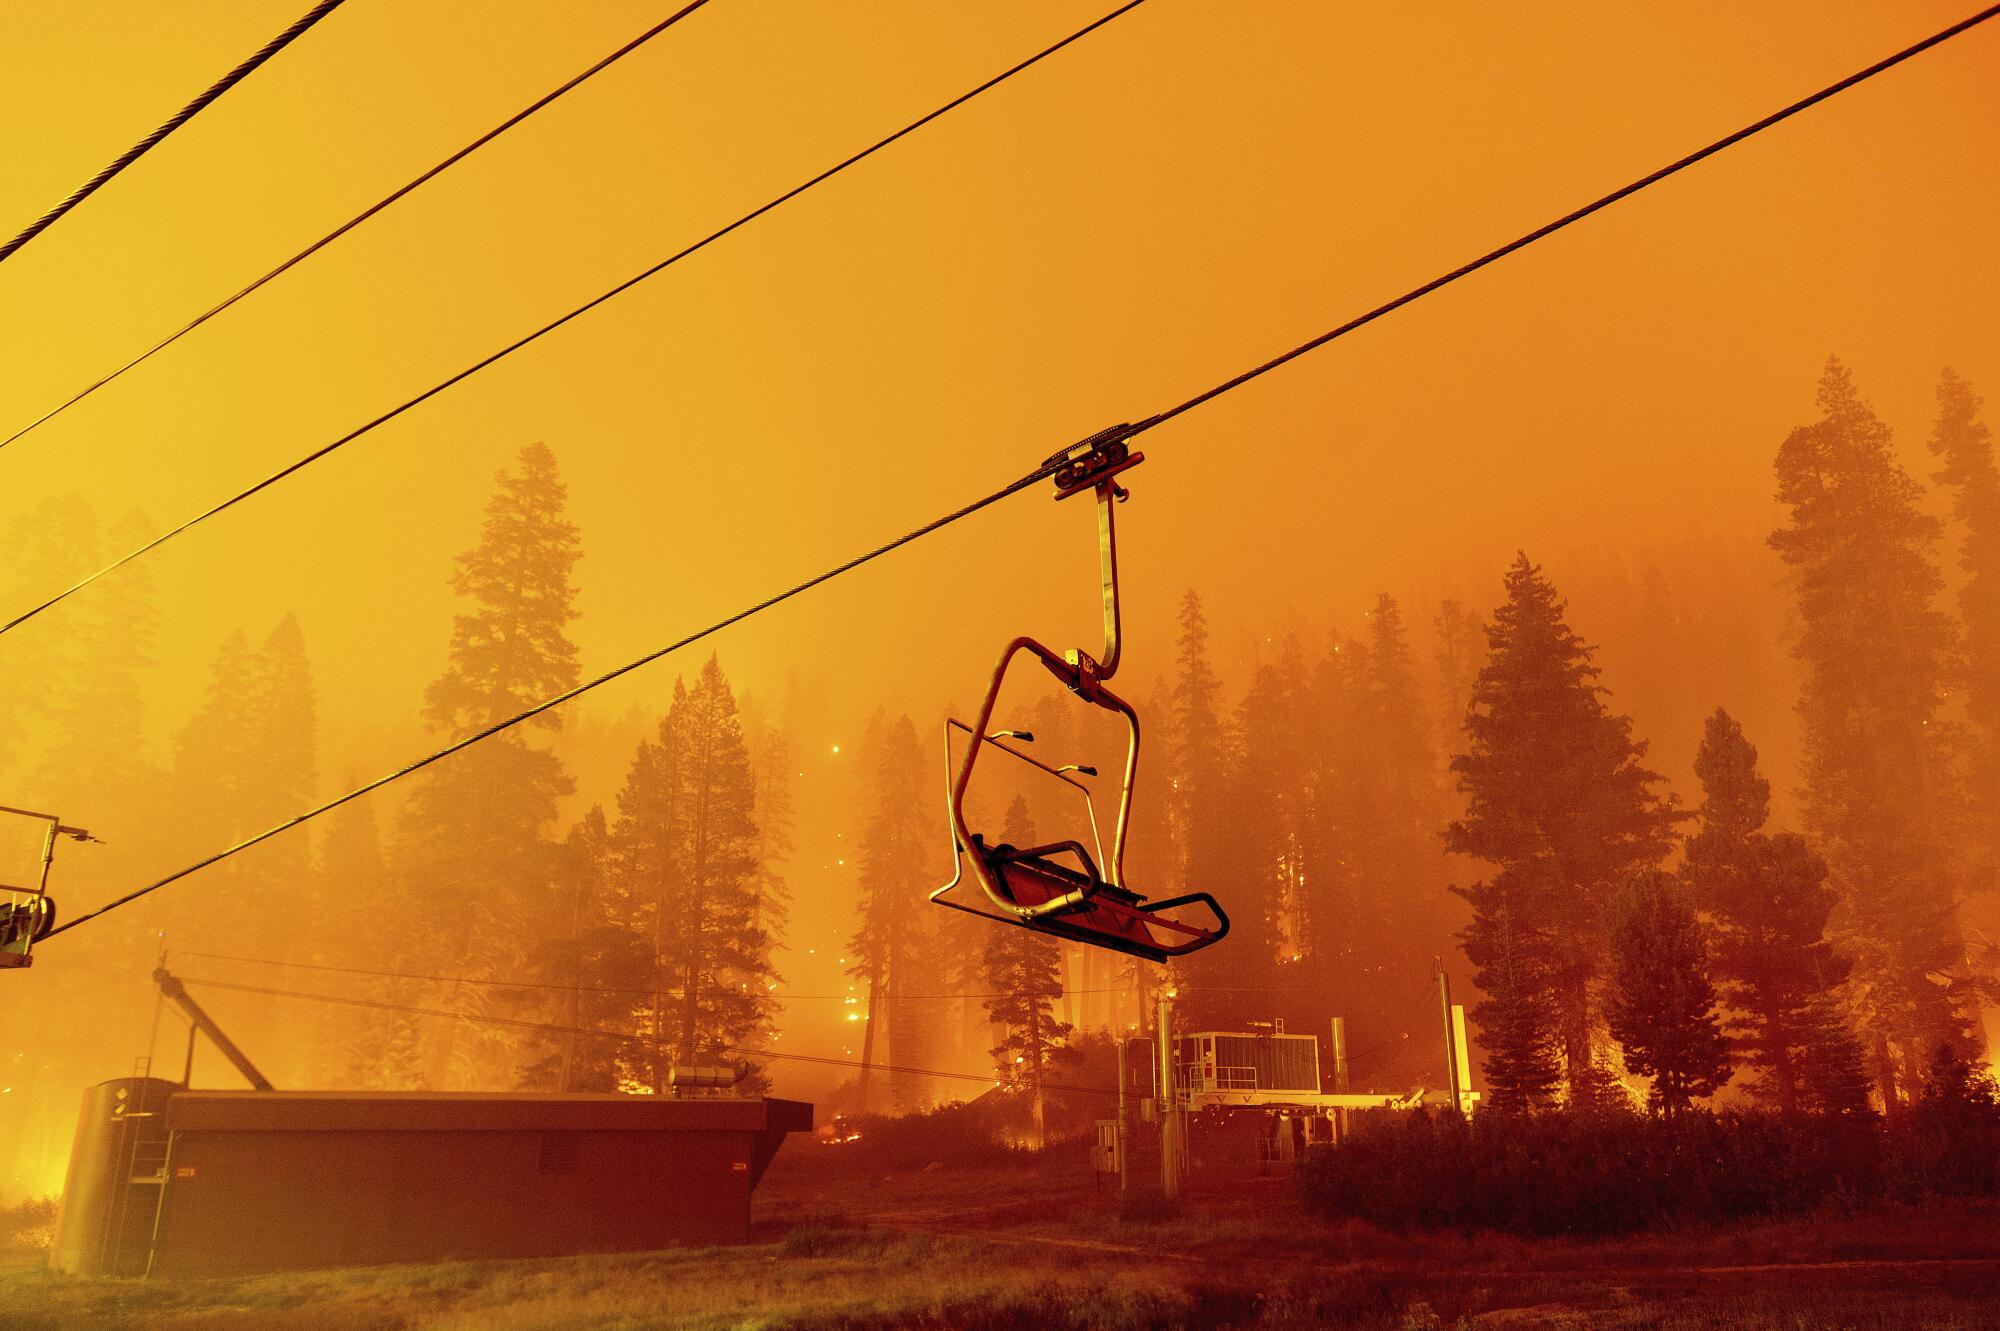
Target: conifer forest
<point>510,817</point>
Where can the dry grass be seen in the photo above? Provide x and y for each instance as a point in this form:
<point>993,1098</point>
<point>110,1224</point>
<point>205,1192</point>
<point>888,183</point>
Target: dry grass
<point>1031,1247</point>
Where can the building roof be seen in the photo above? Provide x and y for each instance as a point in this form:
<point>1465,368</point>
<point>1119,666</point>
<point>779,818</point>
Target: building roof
<point>473,1111</point>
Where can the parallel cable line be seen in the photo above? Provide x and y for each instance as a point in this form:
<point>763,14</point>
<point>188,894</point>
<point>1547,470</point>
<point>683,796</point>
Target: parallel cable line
<point>580,310</point>
<point>554,1028</point>
<point>418,182</point>
<point>1048,468</point>
<point>588,988</point>
<point>179,118</point>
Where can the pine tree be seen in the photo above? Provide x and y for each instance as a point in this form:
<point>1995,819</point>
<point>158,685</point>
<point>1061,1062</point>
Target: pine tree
<point>1337,912</point>
<point>1964,445</point>
<point>643,866</point>
<point>1879,794</point>
<point>714,950</point>
<point>1198,757</point>
<point>1662,1008</point>
<point>1558,801</point>
<point>48,547</point>
<point>894,880</point>
<point>1021,969</point>
<point>474,850</point>
<point>774,766</point>
<point>1769,902</point>
<point>1456,668</point>
<point>1401,849</point>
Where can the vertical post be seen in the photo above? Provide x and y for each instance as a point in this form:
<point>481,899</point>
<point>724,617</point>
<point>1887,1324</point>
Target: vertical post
<point>1163,1088</point>
<point>1450,1039</point>
<point>1458,1048</point>
<point>1340,1075</point>
<point>1118,1138</point>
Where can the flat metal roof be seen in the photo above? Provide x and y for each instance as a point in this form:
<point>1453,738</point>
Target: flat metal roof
<point>473,1111</point>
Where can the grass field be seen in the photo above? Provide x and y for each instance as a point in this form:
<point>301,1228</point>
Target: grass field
<point>1034,1245</point>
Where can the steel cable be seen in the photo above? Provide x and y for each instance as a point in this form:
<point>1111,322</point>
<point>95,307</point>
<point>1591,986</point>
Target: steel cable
<point>579,311</point>
<point>1049,467</point>
<point>179,118</point>
<point>362,216</point>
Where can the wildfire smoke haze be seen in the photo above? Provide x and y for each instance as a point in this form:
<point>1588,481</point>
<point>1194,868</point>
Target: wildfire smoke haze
<point>1629,457</point>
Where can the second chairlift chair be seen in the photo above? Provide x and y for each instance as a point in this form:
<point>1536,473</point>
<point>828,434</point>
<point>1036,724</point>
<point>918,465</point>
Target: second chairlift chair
<point>1026,886</point>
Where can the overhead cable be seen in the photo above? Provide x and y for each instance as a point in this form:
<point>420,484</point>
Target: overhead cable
<point>179,118</point>
<point>1047,469</point>
<point>554,324</point>
<point>553,1028</point>
<point>557,987</point>
<point>366,213</point>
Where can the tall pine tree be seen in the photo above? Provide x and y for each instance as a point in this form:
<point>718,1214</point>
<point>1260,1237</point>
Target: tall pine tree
<point>1558,801</point>
<point>1769,902</point>
<point>894,879</point>
<point>716,948</point>
<point>1022,969</point>
<point>1879,792</point>
<point>474,849</point>
<point>1964,446</point>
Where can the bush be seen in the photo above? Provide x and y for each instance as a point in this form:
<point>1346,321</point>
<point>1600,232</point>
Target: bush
<point>1948,1142</point>
<point>1572,1173</point>
<point>959,1134</point>
<point>28,1226</point>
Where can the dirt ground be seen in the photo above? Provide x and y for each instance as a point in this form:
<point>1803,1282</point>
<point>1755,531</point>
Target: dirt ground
<point>1039,1244</point>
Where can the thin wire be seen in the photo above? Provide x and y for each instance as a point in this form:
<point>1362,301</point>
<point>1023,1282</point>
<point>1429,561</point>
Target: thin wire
<point>365,214</point>
<point>181,117</point>
<point>580,310</point>
<point>626,1036</point>
<point>1597,205</point>
<point>599,989</point>
<point>559,699</point>
<point>1047,468</point>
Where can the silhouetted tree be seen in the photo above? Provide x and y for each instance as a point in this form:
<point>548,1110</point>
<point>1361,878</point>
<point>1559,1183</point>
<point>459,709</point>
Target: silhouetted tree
<point>712,946</point>
<point>597,964</point>
<point>1558,800</point>
<point>474,853</point>
<point>1021,968</point>
<point>1769,902</point>
<point>894,881</point>
<point>1964,445</point>
<point>1879,794</point>
<point>1662,1008</point>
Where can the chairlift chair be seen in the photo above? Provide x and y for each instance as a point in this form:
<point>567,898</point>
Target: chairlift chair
<point>1083,900</point>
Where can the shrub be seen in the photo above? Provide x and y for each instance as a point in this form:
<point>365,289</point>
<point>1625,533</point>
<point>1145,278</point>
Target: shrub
<point>1570,1173</point>
<point>27,1226</point>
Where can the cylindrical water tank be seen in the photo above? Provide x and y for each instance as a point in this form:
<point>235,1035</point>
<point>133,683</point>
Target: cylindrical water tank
<point>104,1219</point>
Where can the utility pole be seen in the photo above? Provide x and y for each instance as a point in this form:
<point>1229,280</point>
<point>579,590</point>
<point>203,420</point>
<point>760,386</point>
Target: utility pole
<point>1164,1099</point>
<point>1450,1038</point>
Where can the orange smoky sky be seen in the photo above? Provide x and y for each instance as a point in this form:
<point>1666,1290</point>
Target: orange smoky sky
<point>1181,194</point>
